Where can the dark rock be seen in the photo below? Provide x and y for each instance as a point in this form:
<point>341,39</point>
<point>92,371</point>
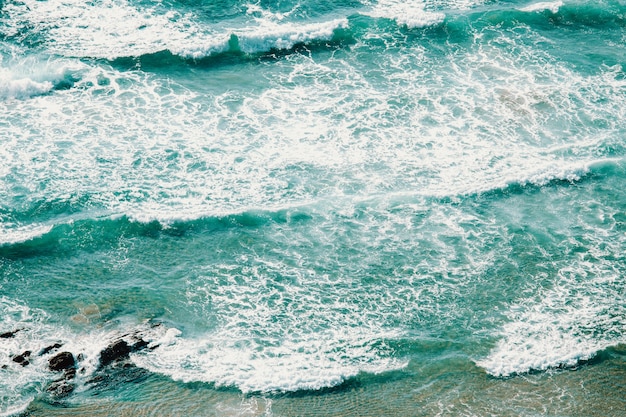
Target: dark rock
<point>70,373</point>
<point>49,349</point>
<point>60,388</point>
<point>8,335</point>
<point>23,358</point>
<point>61,362</point>
<point>97,379</point>
<point>139,345</point>
<point>117,351</point>
<point>66,363</point>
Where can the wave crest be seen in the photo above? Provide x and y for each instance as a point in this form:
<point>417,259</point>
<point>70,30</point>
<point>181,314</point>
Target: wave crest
<point>411,14</point>
<point>34,76</point>
<point>322,361</point>
<point>117,29</point>
<point>265,38</point>
<point>552,6</point>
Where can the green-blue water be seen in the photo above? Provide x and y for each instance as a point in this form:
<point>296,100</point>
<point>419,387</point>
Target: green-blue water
<point>335,208</point>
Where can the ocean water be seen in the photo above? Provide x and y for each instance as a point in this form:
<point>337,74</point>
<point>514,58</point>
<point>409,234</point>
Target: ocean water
<point>315,208</point>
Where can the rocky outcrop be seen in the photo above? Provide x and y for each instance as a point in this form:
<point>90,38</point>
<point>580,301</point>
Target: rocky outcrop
<point>61,388</point>
<point>62,362</point>
<point>66,363</point>
<point>120,350</point>
<point>116,351</point>
<point>114,364</point>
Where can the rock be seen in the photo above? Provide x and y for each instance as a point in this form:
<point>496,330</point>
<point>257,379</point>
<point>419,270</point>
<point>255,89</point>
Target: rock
<point>8,335</point>
<point>117,351</point>
<point>60,388</point>
<point>70,373</point>
<point>49,349</point>
<point>139,345</point>
<point>61,362</point>
<point>97,379</point>
<point>23,358</point>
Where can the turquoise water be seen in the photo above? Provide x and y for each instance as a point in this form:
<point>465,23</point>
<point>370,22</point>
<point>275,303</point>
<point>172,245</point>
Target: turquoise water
<point>336,208</point>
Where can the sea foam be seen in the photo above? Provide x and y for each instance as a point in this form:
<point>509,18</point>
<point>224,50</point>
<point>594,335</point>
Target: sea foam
<point>114,28</point>
<point>266,37</point>
<point>552,6</point>
<point>11,235</point>
<point>407,13</point>
<point>23,88</point>
<point>22,78</point>
<point>316,362</point>
<point>572,315</point>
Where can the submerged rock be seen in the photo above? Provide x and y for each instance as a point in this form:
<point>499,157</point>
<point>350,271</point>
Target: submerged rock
<point>62,362</point>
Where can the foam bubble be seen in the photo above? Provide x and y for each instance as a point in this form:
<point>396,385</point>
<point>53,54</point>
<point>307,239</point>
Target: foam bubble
<point>17,409</point>
<point>285,36</point>
<point>313,128</point>
<point>107,29</point>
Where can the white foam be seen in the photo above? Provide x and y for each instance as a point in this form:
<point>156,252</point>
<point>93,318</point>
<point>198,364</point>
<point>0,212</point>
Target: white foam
<point>226,358</point>
<point>285,36</point>
<point>32,76</point>
<point>11,235</point>
<point>114,28</point>
<point>573,316</point>
<point>16,409</point>
<point>18,385</point>
<point>456,4</point>
<point>318,361</point>
<point>266,36</point>
<point>535,172</point>
<point>107,28</point>
<point>311,129</point>
<point>552,6</point>
<point>23,88</point>
<point>408,13</point>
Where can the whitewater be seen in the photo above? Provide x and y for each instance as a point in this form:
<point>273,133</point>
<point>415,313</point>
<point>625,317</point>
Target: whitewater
<point>298,208</point>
